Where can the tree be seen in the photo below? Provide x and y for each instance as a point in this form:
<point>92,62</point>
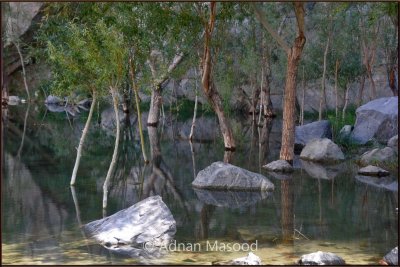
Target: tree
<point>293,58</point>
<point>208,83</point>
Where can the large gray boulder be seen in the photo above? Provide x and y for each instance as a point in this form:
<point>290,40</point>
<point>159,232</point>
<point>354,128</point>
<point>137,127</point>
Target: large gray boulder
<point>321,258</point>
<point>310,131</point>
<point>392,258</point>
<point>147,224</point>
<point>230,199</point>
<point>373,171</point>
<point>378,155</point>
<point>279,166</point>
<point>322,150</point>
<point>225,176</point>
<point>376,119</point>
<point>394,143</point>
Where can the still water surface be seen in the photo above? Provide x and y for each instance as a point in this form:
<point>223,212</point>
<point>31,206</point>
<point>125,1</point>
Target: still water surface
<point>317,208</point>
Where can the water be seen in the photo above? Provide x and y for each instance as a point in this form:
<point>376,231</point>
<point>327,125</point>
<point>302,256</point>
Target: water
<point>41,216</point>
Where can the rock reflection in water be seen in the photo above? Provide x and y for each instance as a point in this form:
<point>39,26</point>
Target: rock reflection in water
<point>318,171</point>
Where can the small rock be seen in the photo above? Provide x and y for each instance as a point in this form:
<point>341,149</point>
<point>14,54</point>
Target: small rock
<point>345,132</point>
<point>279,166</point>
<point>373,171</point>
<point>250,259</point>
<point>392,258</point>
<point>386,154</point>
<point>321,258</point>
<point>322,150</point>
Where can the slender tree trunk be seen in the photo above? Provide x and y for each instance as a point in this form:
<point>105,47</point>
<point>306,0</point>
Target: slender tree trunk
<point>136,93</point>
<point>23,70</point>
<point>323,93</point>
<point>346,101</point>
<point>155,104</point>
<point>82,140</point>
<point>208,84</point>
<point>289,107</point>
<point>373,87</point>
<point>115,153</point>
<point>336,89</point>
<point>361,91</point>
<point>392,81</point>
<point>302,99</point>
<point>24,131</point>
<point>265,86</point>
<point>194,112</point>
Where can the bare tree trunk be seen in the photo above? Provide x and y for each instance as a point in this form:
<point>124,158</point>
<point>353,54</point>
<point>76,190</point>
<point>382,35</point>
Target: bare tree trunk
<point>289,107</point>
<point>155,104</point>
<point>265,86</point>
<point>195,111</point>
<point>373,87</point>
<point>208,84</point>
<point>82,140</point>
<point>115,153</point>
<point>336,89</point>
<point>346,101</point>
<point>23,70</point>
<point>392,80</point>
<point>302,99</point>
<point>361,91</point>
<point>323,93</point>
<point>136,92</point>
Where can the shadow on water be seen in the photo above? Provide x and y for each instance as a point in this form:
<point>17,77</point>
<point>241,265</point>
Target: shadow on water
<point>317,208</point>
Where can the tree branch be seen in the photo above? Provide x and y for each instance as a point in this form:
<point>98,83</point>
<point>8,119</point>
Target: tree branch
<point>261,18</point>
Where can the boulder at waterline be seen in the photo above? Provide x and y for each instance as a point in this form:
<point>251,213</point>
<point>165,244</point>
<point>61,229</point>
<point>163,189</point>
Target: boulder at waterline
<point>378,155</point>
<point>250,259</point>
<point>319,171</point>
<point>321,258</point>
<point>225,176</point>
<point>376,119</point>
<point>146,222</point>
<point>230,199</point>
<point>392,258</point>
<point>373,171</point>
<point>387,183</point>
<point>310,131</point>
<point>279,166</point>
<point>322,150</point>
<point>394,143</point>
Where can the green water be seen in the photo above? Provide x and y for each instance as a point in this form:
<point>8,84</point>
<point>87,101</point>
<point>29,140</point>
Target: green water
<point>41,216</point>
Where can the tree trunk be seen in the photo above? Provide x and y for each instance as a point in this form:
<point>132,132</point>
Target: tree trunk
<point>323,93</point>
<point>155,104</point>
<point>346,101</point>
<point>373,87</point>
<point>265,87</point>
<point>392,81</point>
<point>289,107</point>
<point>302,99</point>
<point>136,93</point>
<point>361,91</point>
<point>115,153</point>
<point>336,89</point>
<point>24,131</point>
<point>82,140</point>
<point>194,112</point>
<point>23,70</point>
<point>208,84</point>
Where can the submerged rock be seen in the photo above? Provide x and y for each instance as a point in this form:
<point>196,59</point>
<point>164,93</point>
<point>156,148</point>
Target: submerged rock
<point>386,182</point>
<point>321,258</point>
<point>376,119</point>
<point>392,258</point>
<point>230,199</point>
<point>225,176</point>
<point>310,131</point>
<point>250,259</point>
<point>322,150</point>
<point>279,166</point>
<point>373,171</point>
<point>378,155</point>
<point>147,224</point>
